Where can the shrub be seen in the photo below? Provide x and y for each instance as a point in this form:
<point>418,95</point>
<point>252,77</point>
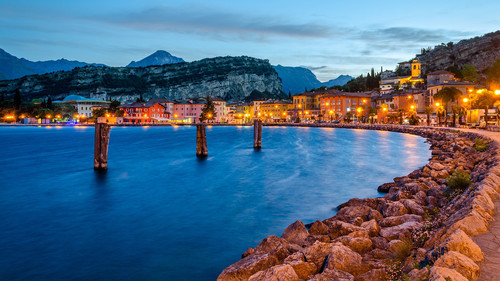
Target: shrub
<point>481,144</point>
<point>458,181</point>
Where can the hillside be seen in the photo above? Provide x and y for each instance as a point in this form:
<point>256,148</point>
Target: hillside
<point>481,52</point>
<point>226,77</point>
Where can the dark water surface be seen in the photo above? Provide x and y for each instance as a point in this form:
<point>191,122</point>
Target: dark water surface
<point>159,213</point>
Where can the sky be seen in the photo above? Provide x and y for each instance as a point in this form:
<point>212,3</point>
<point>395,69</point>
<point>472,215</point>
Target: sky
<point>329,37</point>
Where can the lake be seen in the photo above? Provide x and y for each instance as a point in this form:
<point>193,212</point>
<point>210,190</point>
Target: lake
<point>159,212</point>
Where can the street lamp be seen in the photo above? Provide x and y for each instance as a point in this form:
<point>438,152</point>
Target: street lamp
<point>331,115</point>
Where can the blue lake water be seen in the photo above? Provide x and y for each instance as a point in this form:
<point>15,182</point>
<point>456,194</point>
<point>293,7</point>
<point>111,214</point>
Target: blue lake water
<point>159,213</point>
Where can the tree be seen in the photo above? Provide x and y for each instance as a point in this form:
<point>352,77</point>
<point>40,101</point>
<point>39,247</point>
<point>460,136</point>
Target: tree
<point>455,108</point>
<point>483,99</point>
<point>114,105</point>
<point>470,74</point>
<point>401,111</point>
<point>446,95</point>
<point>49,103</point>
<point>428,111</point>
<point>119,113</point>
<point>208,111</point>
<point>17,100</point>
<point>493,75</point>
<point>439,113</point>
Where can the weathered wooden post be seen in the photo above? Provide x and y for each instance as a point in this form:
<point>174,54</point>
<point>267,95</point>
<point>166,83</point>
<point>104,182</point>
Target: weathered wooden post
<point>201,141</point>
<point>102,131</point>
<point>257,134</point>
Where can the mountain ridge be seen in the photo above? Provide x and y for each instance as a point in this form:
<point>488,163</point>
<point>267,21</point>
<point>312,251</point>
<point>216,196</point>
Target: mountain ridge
<point>159,57</point>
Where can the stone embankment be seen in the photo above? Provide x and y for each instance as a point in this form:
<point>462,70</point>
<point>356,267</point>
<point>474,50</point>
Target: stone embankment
<point>420,230</point>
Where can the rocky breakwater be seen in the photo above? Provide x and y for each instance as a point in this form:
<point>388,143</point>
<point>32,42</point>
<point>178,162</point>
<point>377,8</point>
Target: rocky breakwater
<point>420,230</point>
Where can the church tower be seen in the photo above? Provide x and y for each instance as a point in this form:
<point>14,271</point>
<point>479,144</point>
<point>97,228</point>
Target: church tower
<point>415,68</point>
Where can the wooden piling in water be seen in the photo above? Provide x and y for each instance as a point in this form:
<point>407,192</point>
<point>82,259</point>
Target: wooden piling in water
<point>201,141</point>
<point>101,141</point>
<point>257,134</point>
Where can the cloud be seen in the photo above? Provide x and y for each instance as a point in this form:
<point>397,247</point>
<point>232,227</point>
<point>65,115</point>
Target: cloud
<point>406,35</point>
<point>314,68</point>
<point>209,21</point>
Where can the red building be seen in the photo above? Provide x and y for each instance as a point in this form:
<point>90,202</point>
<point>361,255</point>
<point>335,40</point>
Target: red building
<point>145,112</point>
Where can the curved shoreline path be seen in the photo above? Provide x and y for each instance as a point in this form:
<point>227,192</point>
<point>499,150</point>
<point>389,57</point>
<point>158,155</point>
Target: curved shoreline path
<point>489,242</point>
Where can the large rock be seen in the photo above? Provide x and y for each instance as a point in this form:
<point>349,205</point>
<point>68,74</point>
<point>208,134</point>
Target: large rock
<point>460,242</point>
<point>438,273</point>
<point>373,275</point>
<point>246,267</point>
<point>462,264</point>
<point>333,275</point>
<point>371,227</point>
<point>348,214</point>
<point>318,228</point>
<point>397,220</point>
<point>270,252</point>
<point>283,272</point>
<point>340,228</point>
<point>295,233</point>
<point>343,258</point>
<point>303,269</point>
<point>317,253</point>
<point>394,209</point>
<point>395,232</point>
<point>413,207</point>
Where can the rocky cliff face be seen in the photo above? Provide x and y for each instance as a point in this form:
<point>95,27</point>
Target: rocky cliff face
<point>225,77</point>
<point>481,52</point>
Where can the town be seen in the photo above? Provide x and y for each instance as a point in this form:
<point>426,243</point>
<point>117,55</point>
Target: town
<point>442,100</point>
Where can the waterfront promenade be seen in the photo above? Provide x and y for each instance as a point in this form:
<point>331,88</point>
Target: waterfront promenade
<point>489,242</point>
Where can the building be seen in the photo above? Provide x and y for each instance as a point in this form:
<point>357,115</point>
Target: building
<point>389,82</point>
<point>190,111</point>
<point>83,105</point>
<point>275,110</point>
<point>440,77</point>
<point>336,105</point>
<point>308,104</point>
<point>145,112</point>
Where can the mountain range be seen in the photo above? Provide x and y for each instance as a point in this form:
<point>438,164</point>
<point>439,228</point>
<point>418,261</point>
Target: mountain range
<point>295,79</point>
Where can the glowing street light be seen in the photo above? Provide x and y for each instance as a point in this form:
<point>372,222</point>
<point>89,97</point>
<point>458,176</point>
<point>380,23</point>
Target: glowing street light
<point>437,103</point>
<point>412,107</point>
<point>48,116</point>
<point>465,100</point>
<point>497,92</point>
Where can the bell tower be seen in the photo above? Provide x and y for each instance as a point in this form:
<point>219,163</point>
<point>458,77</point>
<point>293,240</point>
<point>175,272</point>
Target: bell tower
<point>415,68</point>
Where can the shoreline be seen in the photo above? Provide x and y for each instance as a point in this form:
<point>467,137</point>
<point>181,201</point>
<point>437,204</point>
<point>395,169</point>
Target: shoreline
<point>364,240</point>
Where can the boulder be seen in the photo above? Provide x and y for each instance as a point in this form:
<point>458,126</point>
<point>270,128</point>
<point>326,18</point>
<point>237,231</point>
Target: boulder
<point>373,275</point>
<point>248,266</point>
<point>395,232</point>
<point>445,274</point>
<point>418,274</point>
<point>360,244</point>
<point>460,242</point>
<point>375,215</point>
<point>282,272</point>
<point>318,228</point>
<point>311,239</point>
<point>435,166</point>
<point>350,213</point>
<point>333,274</point>
<point>385,187</point>
<point>304,269</point>
<point>340,228</point>
<point>394,209</point>
<point>247,253</point>
<point>397,220</point>
<point>461,263</point>
<point>371,227</point>
<point>317,253</point>
<point>343,258</point>
<point>413,207</point>
<point>273,244</point>
<point>380,243</point>
<point>295,233</point>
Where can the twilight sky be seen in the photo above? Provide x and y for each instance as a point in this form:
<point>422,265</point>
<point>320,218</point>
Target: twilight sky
<point>328,37</point>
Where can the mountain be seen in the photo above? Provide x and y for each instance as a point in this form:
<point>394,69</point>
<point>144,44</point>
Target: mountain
<point>12,67</point>
<point>157,58</point>
<point>231,78</point>
<point>339,81</point>
<point>481,52</point>
<point>298,79</point>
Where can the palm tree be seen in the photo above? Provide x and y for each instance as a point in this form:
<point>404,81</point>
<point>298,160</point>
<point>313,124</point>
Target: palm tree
<point>455,109</point>
<point>483,99</point>
<point>439,112</point>
<point>401,112</point>
<point>446,95</point>
<point>428,111</point>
